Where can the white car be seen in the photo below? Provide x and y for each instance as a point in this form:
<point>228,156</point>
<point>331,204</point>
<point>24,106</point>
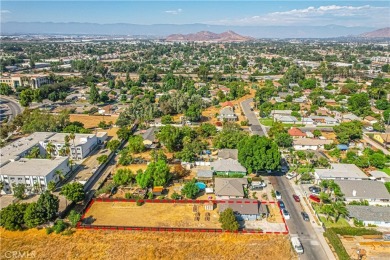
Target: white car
<point>291,175</point>
<point>296,244</point>
<point>285,213</point>
<point>278,195</point>
<point>369,128</point>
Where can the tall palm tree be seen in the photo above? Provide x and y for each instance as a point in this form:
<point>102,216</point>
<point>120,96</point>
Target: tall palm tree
<point>58,174</point>
<point>51,186</point>
<point>72,136</point>
<point>34,153</point>
<point>328,210</point>
<point>50,148</point>
<point>339,210</point>
<point>71,163</point>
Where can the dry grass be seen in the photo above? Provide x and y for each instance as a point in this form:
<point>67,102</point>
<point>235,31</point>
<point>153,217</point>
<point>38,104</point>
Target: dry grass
<point>88,244</point>
<point>150,215</point>
<point>92,121</point>
<point>133,167</point>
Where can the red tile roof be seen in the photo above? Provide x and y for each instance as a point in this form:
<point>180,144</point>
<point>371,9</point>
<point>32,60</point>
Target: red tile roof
<point>295,132</point>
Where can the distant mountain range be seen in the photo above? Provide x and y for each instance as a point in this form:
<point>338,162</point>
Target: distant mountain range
<point>163,30</point>
<point>381,33</point>
<point>206,36</point>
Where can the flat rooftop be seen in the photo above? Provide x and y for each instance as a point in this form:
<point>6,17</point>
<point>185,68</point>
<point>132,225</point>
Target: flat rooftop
<point>79,138</point>
<point>341,170</point>
<point>14,149</point>
<point>32,167</point>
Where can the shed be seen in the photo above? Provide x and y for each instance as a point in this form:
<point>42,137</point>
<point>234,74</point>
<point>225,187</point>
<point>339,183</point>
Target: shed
<point>157,190</point>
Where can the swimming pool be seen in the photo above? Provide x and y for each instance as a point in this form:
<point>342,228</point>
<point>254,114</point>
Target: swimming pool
<point>201,185</point>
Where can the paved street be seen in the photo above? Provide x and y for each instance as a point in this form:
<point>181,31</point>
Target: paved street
<point>255,125</point>
<point>311,244</point>
<point>14,106</point>
<point>375,144</point>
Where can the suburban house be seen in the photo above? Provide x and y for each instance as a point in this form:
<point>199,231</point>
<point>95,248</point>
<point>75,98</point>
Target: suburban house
<point>150,138</point>
<point>382,138</point>
<point>339,171</point>
<point>228,188</point>
<point>296,133</point>
<point>370,215</point>
<point>371,120</point>
<point>374,192</point>
<point>379,176</point>
<point>350,117</point>
<point>227,114</point>
<point>281,112</point>
<point>244,209</point>
<point>204,175</point>
<point>228,167</point>
<point>304,144</point>
<point>34,173</point>
<point>286,119</point>
<point>228,154</point>
<point>324,120</point>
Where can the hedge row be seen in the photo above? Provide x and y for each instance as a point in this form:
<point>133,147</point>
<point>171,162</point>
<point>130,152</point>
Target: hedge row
<point>353,231</point>
<point>336,243</point>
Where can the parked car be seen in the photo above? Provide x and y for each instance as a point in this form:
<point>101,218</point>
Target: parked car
<point>278,195</point>
<point>281,204</point>
<point>285,213</point>
<point>315,198</point>
<point>291,175</point>
<point>315,189</point>
<point>305,216</point>
<point>369,128</point>
<point>296,198</point>
<point>296,244</point>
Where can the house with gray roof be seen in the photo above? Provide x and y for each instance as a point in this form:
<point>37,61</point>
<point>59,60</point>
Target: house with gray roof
<point>228,167</point>
<point>374,192</point>
<point>149,137</point>
<point>228,154</point>
<point>244,209</point>
<point>227,114</point>
<point>339,171</point>
<point>370,215</point>
<point>379,176</point>
<point>204,175</point>
<point>230,188</point>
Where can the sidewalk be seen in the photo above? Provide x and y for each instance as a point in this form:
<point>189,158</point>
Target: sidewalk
<point>317,227</point>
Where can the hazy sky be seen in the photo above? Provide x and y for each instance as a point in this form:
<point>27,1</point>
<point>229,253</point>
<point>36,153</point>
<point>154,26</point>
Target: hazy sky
<point>347,13</point>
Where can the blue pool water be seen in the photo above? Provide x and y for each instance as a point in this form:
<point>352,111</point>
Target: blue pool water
<point>201,185</point>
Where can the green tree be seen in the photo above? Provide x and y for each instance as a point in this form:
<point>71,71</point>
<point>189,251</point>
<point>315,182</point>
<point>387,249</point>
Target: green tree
<point>12,216</point>
<point>228,220</point>
<point>74,217</point>
<point>378,160</point>
<point>258,153</point>
<point>136,144</point>
<point>207,130</point>
<point>348,131</point>
<point>276,128</point>
<point>102,158</point>
<point>19,191</point>
<point>284,140</point>
<point>159,171</point>
<point>124,133</point>
<point>339,209</point>
<point>113,145</point>
<point>317,133</point>
<point>73,191</point>
<point>51,186</point>
<point>144,179</point>
<point>33,215</point>
<point>123,177</point>
<point>194,112</point>
<point>5,89</point>
<point>167,119</point>
<point>94,96</point>
<point>171,137</point>
<point>359,103</point>
<point>229,137</point>
<point>48,204</point>
<point>190,189</point>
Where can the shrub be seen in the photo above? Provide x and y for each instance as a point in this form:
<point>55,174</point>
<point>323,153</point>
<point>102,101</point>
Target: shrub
<point>49,230</point>
<point>128,196</point>
<point>68,232</point>
<point>150,195</point>
<point>139,202</point>
<point>336,243</point>
<point>358,223</point>
<point>175,196</point>
<point>351,231</point>
<point>59,226</point>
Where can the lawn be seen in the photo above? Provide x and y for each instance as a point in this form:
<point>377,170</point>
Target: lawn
<point>386,170</point>
<point>330,224</point>
<point>150,215</point>
<point>266,121</point>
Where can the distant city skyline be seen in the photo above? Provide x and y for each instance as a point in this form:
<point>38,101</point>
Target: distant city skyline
<point>230,13</point>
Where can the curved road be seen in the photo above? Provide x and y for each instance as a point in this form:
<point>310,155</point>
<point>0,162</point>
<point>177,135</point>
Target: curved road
<point>13,105</point>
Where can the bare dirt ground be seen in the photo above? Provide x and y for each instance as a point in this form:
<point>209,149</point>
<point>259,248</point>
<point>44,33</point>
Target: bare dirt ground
<point>94,244</point>
<point>151,215</point>
<point>92,121</point>
<point>375,248</point>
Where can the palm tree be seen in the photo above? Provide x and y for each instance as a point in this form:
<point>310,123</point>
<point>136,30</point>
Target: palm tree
<point>34,153</point>
<point>51,186</point>
<point>327,209</point>
<point>58,174</point>
<point>324,184</point>
<point>339,210</point>
<point>71,163</point>
<point>36,187</point>
<point>72,136</point>
<point>50,148</point>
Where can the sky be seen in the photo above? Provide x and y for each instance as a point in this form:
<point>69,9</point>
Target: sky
<point>244,13</point>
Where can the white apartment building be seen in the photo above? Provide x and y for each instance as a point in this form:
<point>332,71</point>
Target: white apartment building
<point>17,80</point>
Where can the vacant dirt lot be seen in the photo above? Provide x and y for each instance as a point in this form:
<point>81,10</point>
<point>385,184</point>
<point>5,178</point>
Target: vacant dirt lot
<point>150,215</point>
<point>91,121</point>
<point>88,244</point>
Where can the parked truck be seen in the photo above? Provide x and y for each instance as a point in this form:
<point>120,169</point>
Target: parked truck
<point>296,243</point>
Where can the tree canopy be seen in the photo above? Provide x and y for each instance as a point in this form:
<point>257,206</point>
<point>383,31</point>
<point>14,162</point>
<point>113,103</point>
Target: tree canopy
<point>228,220</point>
<point>73,191</point>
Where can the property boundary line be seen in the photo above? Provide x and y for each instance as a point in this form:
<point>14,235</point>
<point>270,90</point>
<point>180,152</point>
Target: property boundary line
<point>80,225</point>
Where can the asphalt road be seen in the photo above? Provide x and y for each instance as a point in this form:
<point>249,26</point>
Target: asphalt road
<point>14,106</point>
<point>296,225</point>
<point>251,116</point>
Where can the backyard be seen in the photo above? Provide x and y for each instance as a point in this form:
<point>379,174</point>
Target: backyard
<point>150,215</point>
